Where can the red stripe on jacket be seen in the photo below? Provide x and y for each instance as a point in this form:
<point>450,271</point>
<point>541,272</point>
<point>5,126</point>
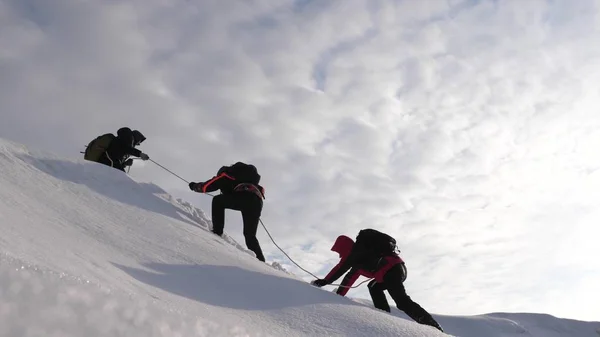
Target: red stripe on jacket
<point>213,180</point>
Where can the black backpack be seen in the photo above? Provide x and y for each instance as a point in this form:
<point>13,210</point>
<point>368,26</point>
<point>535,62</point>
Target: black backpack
<point>244,173</point>
<point>98,146</point>
<point>377,242</point>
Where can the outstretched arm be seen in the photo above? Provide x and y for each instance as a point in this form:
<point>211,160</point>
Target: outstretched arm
<point>348,281</point>
<point>340,269</point>
<point>336,272</point>
<point>132,151</point>
<point>212,184</point>
<point>215,182</point>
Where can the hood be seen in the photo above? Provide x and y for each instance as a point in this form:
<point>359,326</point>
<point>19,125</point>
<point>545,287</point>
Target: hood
<point>138,137</point>
<point>343,246</point>
<point>125,135</point>
<point>124,132</point>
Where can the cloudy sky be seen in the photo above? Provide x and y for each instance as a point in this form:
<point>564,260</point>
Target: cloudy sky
<point>469,130</point>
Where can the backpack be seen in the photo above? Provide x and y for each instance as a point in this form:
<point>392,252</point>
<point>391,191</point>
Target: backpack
<point>244,173</point>
<point>97,147</point>
<point>377,242</point>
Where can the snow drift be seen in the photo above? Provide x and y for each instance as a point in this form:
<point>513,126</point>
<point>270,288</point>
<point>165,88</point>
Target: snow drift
<point>87,251</point>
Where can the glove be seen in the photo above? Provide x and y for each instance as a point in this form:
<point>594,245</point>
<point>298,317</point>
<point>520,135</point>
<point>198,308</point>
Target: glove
<point>144,156</point>
<point>128,162</point>
<point>196,187</point>
<point>319,283</point>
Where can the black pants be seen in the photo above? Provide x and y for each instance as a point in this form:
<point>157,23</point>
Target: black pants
<point>251,207</point>
<point>108,161</point>
<point>392,282</point>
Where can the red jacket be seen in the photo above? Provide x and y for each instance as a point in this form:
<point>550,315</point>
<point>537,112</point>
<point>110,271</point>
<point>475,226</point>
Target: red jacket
<point>343,246</point>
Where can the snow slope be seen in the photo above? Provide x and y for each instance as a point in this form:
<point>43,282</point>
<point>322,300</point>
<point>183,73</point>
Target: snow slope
<point>87,251</point>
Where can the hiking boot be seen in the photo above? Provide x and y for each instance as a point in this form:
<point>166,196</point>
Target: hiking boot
<point>431,322</point>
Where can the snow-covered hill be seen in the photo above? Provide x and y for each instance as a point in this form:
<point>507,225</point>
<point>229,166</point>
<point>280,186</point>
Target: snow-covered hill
<point>87,251</point>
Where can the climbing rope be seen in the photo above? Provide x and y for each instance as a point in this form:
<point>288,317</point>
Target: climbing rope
<point>297,265</point>
<point>166,169</point>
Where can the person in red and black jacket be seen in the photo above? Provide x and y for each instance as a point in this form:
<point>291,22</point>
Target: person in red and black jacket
<point>240,191</point>
<point>343,246</point>
<point>374,256</point>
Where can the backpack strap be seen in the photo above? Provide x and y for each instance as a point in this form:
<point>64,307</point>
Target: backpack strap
<point>247,187</point>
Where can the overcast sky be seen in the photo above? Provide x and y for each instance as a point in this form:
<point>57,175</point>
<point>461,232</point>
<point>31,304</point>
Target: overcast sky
<point>469,130</point>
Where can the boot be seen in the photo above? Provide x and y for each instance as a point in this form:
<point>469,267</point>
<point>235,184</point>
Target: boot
<point>430,321</point>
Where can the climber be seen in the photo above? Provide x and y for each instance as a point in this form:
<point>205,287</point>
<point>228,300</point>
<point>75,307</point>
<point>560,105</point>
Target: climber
<point>240,191</point>
<point>374,255</point>
<point>114,151</point>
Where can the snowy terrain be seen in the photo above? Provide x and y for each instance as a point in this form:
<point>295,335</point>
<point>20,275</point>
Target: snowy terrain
<point>87,251</point>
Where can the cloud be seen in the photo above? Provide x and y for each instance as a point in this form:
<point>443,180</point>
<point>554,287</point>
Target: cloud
<point>468,130</point>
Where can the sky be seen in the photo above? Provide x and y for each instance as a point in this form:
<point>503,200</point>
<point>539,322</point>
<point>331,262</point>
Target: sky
<point>468,130</point>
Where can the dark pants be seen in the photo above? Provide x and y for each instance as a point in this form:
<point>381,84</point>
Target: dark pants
<point>392,282</point>
<point>108,161</point>
<point>251,207</point>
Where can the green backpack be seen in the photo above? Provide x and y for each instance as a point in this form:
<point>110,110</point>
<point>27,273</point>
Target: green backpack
<point>97,147</point>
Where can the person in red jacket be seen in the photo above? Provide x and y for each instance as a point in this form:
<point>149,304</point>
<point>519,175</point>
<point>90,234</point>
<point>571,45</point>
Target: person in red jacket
<point>374,256</point>
<point>343,246</point>
<point>240,191</point>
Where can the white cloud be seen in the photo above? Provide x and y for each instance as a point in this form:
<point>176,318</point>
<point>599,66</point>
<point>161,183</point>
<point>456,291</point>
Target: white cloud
<point>466,129</point>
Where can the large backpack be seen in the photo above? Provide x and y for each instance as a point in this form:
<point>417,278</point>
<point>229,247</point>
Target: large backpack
<point>377,242</point>
<point>244,173</point>
<point>98,146</point>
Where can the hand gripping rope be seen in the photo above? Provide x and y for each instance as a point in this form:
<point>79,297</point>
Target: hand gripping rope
<point>270,237</point>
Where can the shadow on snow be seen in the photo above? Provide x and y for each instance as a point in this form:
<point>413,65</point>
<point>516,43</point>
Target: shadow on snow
<point>231,287</point>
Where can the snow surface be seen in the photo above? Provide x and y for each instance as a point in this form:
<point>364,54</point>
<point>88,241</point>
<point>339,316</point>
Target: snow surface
<point>87,251</point>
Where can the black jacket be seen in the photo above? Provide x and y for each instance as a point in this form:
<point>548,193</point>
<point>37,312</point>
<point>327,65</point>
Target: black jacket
<point>239,177</point>
<point>120,149</point>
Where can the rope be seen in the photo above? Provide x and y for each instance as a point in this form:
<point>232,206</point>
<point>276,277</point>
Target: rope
<point>297,265</point>
<point>271,237</point>
<point>112,163</point>
<point>284,253</point>
<point>166,169</point>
